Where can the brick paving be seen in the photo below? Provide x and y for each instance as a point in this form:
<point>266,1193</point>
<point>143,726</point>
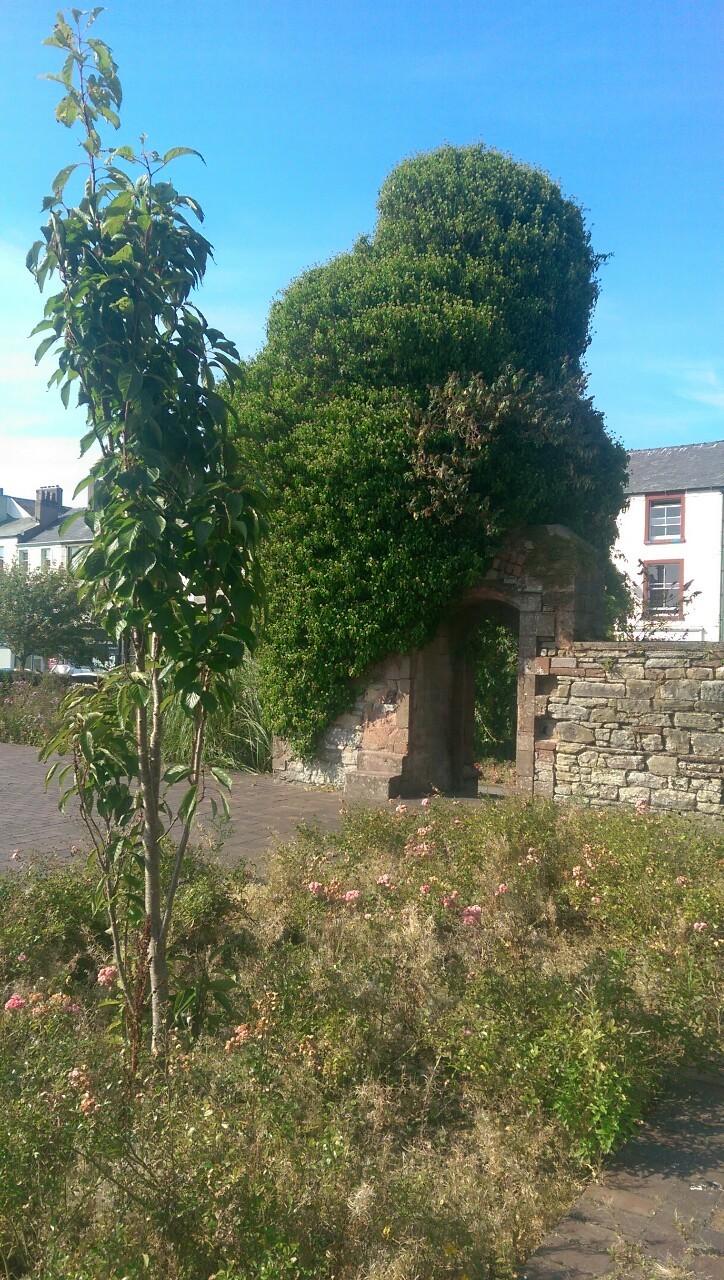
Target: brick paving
<point>659,1207</point>
<point>262,810</point>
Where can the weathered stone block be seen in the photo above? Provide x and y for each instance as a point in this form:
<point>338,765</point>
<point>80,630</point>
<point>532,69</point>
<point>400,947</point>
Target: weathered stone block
<point>608,793</point>
<point>680,690</point>
<point>699,769</point>
<point>604,715</point>
<point>684,802</point>
<point>638,779</point>
<point>652,741</point>
<point>593,689</point>
<point>641,688</point>
<point>570,748</point>
<point>568,711</point>
<point>708,745</point>
<point>571,731</point>
<point>663,765</point>
<point>677,741</point>
<point>694,720</point>
<point>636,761</point>
<point>609,777</point>
<point>622,738</point>
<point>633,793</point>
<point>713,692</point>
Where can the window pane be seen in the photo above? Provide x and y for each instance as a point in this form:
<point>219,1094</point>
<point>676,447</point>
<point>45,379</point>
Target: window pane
<point>665,520</point>
<point>663,593</point>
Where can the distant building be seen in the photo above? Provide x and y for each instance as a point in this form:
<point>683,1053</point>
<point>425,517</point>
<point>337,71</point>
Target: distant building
<point>30,534</point>
<point>672,534</point>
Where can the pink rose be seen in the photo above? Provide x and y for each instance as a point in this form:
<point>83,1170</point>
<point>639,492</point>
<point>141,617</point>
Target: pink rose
<point>699,927</point>
<point>424,888</point>
<point>471,915</point>
<point>21,958</point>
<point>425,802</point>
<point>351,896</point>
<point>316,888</point>
<point>15,1002</point>
<point>107,976</point>
<point>502,888</point>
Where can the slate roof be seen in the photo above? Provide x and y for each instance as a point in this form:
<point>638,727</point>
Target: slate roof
<point>50,535</point>
<point>13,528</point>
<point>677,467</point>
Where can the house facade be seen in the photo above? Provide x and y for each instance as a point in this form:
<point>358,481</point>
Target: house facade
<point>671,540</point>
<point>30,534</point>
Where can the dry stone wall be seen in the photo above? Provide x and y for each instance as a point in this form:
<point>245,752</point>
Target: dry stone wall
<point>632,723</point>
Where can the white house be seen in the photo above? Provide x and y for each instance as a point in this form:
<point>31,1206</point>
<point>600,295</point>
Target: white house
<point>30,534</point>
<point>671,539</point>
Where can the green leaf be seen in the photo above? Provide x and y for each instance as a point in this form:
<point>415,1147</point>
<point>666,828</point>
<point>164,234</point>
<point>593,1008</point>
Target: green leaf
<point>45,346</point>
<point>176,773</point>
<point>222,777</point>
<point>61,178</point>
<point>202,531</point>
<point>187,807</point>
<point>175,152</point>
<point>130,382</point>
<point>124,254</point>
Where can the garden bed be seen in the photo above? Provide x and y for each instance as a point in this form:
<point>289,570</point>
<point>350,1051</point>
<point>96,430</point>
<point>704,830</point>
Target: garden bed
<point>396,1060</point>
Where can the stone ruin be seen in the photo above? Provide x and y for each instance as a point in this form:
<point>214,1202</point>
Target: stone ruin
<point>597,722</point>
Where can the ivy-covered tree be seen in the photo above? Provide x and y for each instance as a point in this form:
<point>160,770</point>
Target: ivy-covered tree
<point>42,615</point>
<point>173,561</point>
<point>416,398</point>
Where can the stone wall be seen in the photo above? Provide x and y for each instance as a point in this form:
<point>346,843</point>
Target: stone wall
<point>365,747</point>
<point>631,723</point>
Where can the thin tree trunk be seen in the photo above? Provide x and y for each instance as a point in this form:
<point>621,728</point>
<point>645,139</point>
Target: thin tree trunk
<point>148,742</point>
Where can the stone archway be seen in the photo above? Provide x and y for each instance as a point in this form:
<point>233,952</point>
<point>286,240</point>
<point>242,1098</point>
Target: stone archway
<point>408,730</point>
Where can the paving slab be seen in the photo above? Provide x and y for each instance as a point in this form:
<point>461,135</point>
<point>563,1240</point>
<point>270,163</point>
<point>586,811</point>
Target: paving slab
<point>663,1195</point>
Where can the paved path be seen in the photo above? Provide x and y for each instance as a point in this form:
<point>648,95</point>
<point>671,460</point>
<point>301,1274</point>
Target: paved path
<point>659,1209</point>
<point>261,810</point>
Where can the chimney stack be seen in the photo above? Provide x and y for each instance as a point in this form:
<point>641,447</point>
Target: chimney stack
<point>48,504</point>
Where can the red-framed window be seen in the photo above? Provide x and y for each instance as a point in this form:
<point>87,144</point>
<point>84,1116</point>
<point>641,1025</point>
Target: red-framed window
<point>664,589</point>
<point>664,517</point>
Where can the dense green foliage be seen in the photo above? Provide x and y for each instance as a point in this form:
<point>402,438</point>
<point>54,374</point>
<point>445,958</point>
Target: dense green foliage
<point>495,654</point>
<point>394,1060</point>
<point>41,614</point>
<point>417,397</point>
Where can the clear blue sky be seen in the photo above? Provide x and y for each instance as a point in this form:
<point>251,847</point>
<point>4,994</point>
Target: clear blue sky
<point>301,108</point>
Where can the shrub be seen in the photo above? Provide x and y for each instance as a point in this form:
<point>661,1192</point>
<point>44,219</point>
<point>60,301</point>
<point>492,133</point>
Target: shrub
<point>30,707</point>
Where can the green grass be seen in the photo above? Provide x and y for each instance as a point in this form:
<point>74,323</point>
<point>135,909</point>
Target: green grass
<point>392,1093</point>
<point>238,739</point>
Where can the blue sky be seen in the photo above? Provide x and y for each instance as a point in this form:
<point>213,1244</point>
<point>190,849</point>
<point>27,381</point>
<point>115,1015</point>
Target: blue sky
<point>301,108</point>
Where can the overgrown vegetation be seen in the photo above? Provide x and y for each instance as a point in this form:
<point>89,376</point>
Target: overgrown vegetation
<point>418,397</point>
<point>237,736</point>
<point>30,706</point>
<point>394,1061</point>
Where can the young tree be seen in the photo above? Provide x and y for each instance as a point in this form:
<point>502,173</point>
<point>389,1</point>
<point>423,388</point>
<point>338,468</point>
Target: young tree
<point>41,614</point>
<point>176,523</point>
<point>417,398</point>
